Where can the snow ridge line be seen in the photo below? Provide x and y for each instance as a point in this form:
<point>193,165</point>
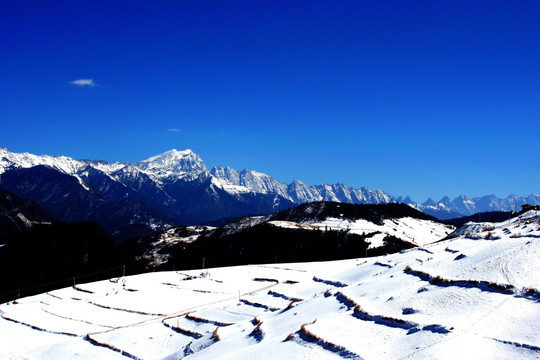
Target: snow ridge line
<point>208,321</point>
<point>361,314</point>
<point>266,279</point>
<point>345,300</point>
<point>76,287</point>
<point>126,310</point>
<point>176,286</point>
<point>424,250</point>
<point>329,282</point>
<point>507,289</point>
<point>54,296</point>
<point>186,332</point>
<point>255,304</point>
<point>309,336</point>
<point>280,268</point>
<point>516,344</point>
<point>110,347</point>
<point>4,316</point>
<point>413,327</point>
<point>73,319</point>
<point>283,296</point>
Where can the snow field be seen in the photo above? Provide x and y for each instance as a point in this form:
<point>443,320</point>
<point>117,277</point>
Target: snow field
<point>189,326</point>
<point>151,340</point>
<point>36,316</point>
<point>24,342</point>
<point>459,298</point>
<point>371,340</point>
<point>83,311</point>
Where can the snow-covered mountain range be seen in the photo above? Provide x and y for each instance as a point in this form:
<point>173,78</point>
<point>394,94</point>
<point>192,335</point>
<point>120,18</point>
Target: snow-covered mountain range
<point>185,165</point>
<point>167,189</point>
<point>299,192</point>
<point>171,188</point>
<point>176,187</point>
<point>462,205</point>
<point>474,294</point>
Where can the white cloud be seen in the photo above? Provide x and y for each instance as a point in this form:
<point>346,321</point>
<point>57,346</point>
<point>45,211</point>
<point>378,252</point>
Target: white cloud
<point>173,130</point>
<point>84,82</point>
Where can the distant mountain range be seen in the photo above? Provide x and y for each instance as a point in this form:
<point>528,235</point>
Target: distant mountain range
<point>464,205</point>
<point>176,187</point>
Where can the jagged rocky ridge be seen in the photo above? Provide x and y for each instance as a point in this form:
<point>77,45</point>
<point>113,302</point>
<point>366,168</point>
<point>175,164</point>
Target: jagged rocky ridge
<point>165,190</point>
<point>298,192</point>
<point>176,187</point>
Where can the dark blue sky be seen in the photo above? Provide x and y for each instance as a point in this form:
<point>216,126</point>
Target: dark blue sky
<point>419,98</point>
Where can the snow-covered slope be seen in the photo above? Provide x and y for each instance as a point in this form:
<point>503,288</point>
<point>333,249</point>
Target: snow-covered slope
<point>472,296</point>
<point>17,214</point>
<point>415,231</point>
<point>158,252</point>
<point>376,222</point>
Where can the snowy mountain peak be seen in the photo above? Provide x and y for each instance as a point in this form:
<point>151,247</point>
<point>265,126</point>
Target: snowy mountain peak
<point>445,200</point>
<point>173,164</point>
<point>407,200</point>
<point>170,154</point>
<point>297,182</point>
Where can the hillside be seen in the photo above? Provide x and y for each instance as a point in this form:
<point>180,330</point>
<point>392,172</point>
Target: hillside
<point>49,256</point>
<point>474,295</point>
<point>17,214</point>
<point>309,232</point>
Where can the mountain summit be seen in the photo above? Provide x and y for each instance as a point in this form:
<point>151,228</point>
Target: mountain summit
<point>173,165</point>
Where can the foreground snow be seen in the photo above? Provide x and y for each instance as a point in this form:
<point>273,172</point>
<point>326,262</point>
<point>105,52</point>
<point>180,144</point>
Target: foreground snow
<point>475,295</point>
